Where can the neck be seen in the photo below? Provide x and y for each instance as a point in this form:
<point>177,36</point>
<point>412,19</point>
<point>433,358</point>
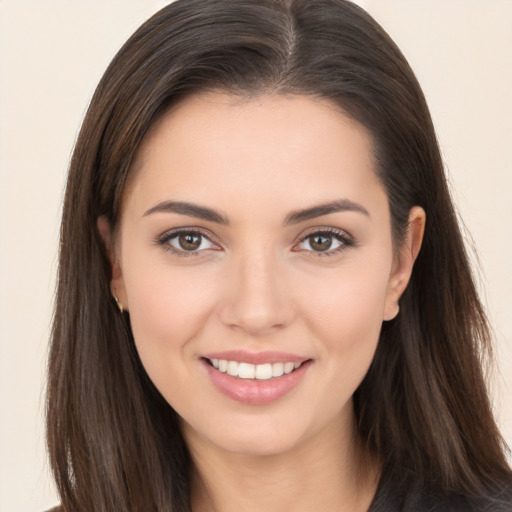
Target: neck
<point>326,473</point>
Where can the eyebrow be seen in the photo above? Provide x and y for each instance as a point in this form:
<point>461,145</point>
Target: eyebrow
<point>192,210</point>
<point>295,217</point>
<point>341,205</point>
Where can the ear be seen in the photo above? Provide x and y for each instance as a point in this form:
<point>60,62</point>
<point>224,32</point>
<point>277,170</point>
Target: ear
<point>404,261</point>
<point>117,283</point>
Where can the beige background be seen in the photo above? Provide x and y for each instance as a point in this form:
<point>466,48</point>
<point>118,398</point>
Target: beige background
<point>52,53</point>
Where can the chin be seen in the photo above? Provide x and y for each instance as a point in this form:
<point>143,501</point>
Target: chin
<point>258,445</point>
<point>254,436</point>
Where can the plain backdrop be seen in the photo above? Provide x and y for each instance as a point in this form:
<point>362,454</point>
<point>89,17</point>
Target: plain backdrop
<point>52,54</point>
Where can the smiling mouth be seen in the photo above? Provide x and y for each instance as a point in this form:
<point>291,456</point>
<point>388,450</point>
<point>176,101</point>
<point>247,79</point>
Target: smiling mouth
<point>250,371</point>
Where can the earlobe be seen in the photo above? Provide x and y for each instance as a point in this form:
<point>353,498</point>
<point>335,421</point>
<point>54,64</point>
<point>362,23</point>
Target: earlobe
<point>406,257</point>
<point>117,283</point>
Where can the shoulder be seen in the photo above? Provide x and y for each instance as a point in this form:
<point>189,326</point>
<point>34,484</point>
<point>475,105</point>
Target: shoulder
<point>427,501</point>
<point>415,498</point>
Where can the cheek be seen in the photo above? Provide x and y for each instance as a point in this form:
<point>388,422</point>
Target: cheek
<point>168,308</point>
<point>351,297</point>
<point>345,314</point>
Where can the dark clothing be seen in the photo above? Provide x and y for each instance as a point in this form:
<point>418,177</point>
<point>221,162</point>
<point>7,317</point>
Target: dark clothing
<point>416,499</point>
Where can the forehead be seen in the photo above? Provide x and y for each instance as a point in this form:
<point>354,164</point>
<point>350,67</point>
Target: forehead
<point>294,149</point>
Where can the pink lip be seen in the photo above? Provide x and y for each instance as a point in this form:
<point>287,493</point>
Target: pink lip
<point>256,392</point>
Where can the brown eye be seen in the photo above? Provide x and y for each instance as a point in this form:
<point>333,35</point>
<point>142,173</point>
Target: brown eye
<point>189,241</point>
<point>320,242</point>
<point>325,242</point>
<point>186,242</point>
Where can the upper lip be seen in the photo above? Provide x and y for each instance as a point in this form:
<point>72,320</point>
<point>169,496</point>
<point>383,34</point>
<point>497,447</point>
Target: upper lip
<point>242,356</point>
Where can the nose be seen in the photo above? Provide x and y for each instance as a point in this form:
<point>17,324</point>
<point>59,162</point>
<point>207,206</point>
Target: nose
<point>257,299</point>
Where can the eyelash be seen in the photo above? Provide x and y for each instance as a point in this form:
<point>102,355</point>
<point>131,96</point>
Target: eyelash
<point>346,241</point>
<point>164,239</point>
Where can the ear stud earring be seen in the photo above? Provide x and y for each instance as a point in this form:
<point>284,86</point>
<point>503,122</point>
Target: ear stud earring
<point>119,305</point>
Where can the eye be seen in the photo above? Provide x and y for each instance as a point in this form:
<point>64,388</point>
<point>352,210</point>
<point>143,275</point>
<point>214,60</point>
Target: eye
<point>186,242</point>
<point>325,242</point>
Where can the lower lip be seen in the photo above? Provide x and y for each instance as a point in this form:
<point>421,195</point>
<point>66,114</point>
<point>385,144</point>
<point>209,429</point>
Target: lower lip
<point>256,392</point>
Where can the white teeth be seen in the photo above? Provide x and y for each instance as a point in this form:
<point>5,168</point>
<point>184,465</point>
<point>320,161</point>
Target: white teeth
<point>246,371</point>
<point>277,369</point>
<point>232,368</point>
<point>263,371</point>
<point>254,371</point>
<point>289,367</point>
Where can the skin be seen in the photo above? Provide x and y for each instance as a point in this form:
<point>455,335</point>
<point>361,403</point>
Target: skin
<point>258,284</point>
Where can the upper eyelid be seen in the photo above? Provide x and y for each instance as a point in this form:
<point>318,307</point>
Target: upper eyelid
<point>324,229</point>
<point>188,229</point>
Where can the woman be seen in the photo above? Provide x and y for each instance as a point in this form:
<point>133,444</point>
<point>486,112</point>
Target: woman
<point>264,300</point>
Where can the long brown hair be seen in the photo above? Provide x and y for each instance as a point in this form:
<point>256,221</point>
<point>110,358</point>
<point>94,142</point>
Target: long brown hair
<point>422,409</point>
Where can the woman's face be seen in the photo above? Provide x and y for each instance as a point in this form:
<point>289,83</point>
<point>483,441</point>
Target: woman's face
<point>255,258</point>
